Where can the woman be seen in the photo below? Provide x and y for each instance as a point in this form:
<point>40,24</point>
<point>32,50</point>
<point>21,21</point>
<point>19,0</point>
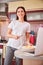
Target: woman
<point>18,33</point>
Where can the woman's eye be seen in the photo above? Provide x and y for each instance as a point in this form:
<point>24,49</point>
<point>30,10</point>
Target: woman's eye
<point>22,11</point>
<point>18,11</point>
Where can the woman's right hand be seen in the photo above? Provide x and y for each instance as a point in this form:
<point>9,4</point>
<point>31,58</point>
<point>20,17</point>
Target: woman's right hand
<point>16,37</point>
<point>10,35</point>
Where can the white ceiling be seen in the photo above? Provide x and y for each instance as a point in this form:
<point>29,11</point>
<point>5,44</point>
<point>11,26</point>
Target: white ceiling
<point>5,1</point>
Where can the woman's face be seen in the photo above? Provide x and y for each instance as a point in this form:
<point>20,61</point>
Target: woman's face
<point>20,13</point>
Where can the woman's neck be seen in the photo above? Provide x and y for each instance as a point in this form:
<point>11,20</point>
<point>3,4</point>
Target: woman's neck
<point>21,20</point>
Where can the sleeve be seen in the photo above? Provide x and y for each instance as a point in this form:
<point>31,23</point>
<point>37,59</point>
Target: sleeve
<point>11,25</point>
<point>28,28</point>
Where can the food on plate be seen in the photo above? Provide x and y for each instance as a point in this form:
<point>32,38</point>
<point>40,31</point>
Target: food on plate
<point>28,47</point>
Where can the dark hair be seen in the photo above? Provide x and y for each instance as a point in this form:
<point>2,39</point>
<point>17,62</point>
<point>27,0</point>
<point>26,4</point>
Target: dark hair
<point>25,17</point>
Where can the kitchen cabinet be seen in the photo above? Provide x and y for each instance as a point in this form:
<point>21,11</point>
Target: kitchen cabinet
<point>31,15</point>
<point>35,15</point>
<point>28,59</point>
<point>32,62</point>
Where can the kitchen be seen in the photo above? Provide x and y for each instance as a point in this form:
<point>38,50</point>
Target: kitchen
<point>34,16</point>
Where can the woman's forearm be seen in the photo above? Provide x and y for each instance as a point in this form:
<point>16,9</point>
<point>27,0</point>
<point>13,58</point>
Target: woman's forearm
<point>11,36</point>
<point>27,38</point>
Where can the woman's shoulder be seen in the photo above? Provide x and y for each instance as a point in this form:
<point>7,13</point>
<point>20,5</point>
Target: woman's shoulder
<point>27,23</point>
<point>13,21</point>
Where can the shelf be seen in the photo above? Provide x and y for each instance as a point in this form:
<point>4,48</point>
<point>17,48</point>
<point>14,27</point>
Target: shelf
<point>34,15</point>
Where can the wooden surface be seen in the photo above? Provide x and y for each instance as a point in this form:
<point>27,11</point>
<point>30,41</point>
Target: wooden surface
<point>32,62</point>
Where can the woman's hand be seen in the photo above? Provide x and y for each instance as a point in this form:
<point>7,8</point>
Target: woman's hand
<point>16,37</point>
<point>10,35</point>
<point>27,44</point>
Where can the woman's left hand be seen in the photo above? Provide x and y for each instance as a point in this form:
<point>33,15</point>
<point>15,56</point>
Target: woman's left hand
<point>28,44</point>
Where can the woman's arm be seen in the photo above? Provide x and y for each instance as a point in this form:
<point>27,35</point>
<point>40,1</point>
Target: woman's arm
<point>28,39</point>
<point>10,35</point>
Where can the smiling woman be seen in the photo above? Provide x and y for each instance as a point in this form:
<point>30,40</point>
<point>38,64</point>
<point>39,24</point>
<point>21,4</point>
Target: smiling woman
<point>17,33</point>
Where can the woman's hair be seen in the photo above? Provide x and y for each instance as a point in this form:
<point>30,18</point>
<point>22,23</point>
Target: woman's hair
<point>25,17</point>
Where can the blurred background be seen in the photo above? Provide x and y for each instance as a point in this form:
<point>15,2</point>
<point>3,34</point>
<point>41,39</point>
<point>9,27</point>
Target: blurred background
<point>34,10</point>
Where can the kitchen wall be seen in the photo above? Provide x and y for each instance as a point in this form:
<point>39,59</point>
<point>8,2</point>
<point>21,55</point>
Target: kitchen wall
<point>3,30</point>
<point>28,4</point>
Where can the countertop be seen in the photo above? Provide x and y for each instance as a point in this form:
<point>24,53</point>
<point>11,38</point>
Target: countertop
<point>22,54</point>
<point>25,55</point>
